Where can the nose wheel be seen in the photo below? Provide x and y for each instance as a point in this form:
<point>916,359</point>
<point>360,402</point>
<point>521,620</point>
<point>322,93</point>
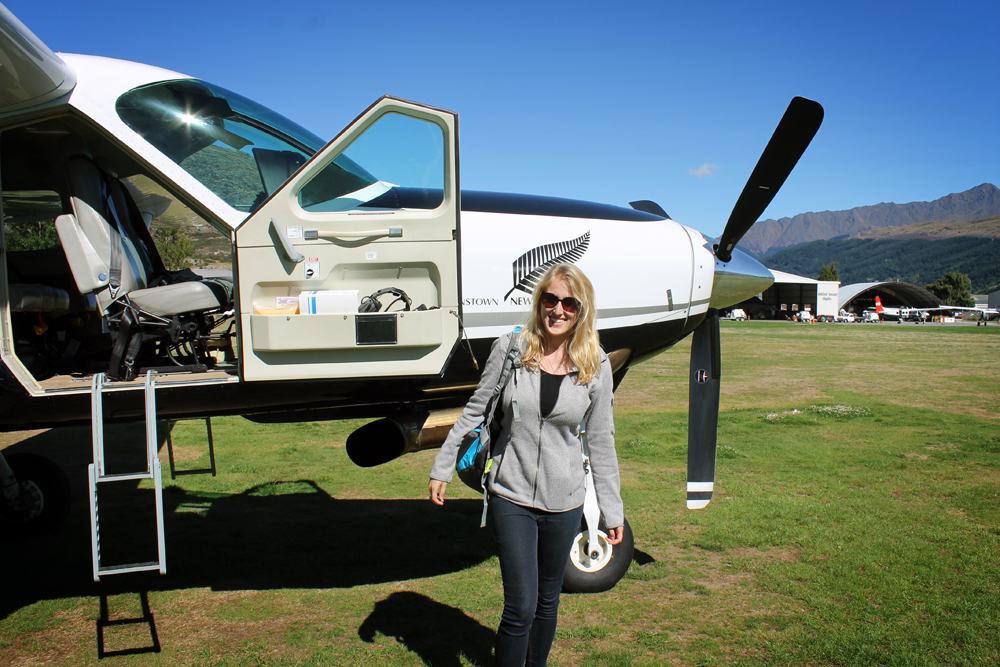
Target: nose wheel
<point>599,565</point>
<point>591,557</point>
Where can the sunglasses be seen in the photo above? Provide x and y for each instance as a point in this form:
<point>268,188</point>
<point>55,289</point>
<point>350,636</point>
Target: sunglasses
<point>569,304</point>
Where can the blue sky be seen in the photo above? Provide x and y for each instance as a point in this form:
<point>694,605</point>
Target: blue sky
<point>672,102</point>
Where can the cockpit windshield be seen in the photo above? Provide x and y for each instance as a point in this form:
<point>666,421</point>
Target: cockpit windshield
<point>237,148</point>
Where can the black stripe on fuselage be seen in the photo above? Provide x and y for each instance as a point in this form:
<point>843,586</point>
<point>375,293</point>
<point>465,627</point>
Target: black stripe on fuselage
<point>513,204</point>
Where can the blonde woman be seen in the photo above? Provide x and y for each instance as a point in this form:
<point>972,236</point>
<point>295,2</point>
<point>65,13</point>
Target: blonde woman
<point>537,487</point>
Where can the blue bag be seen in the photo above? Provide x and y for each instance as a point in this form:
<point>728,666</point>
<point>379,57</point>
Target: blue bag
<point>475,458</point>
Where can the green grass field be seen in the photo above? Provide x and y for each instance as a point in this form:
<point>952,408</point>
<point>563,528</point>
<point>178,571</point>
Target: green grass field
<point>856,522</point>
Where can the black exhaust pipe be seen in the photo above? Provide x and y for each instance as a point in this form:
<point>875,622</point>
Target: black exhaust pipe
<point>386,439</point>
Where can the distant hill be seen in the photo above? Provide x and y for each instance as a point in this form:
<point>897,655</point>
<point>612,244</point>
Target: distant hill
<point>913,260</point>
<point>978,204</point>
<point>935,230</point>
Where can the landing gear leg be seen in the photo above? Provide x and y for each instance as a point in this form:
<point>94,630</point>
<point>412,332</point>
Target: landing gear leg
<point>595,565</point>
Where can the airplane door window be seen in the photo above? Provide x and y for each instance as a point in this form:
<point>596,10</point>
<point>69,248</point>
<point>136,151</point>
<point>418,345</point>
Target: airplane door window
<point>397,163</point>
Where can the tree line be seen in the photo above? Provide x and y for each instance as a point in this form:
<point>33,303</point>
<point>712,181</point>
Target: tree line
<point>916,261</point>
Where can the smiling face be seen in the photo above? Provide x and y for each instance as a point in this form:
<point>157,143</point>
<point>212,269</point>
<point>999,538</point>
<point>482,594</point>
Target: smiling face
<point>557,320</point>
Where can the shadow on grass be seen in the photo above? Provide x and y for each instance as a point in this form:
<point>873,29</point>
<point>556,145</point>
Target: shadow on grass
<point>642,558</point>
<point>277,535</point>
<point>439,634</point>
<point>106,625</point>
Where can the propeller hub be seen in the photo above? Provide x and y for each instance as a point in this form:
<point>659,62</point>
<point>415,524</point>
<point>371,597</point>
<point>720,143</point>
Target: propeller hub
<point>738,279</point>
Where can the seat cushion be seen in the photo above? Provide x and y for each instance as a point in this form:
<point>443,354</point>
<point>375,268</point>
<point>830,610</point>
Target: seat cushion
<point>194,296</point>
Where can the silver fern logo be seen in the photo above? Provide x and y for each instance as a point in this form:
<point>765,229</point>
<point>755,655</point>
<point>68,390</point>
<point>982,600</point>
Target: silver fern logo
<point>530,266</point>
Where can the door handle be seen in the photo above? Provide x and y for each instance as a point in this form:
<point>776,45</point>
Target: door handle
<point>313,234</point>
<point>293,255</point>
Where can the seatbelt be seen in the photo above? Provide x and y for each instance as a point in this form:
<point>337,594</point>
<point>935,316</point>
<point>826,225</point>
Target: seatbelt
<point>117,368</point>
<point>115,270</point>
<point>145,238</point>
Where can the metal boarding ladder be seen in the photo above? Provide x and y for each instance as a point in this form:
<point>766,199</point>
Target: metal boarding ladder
<point>97,475</point>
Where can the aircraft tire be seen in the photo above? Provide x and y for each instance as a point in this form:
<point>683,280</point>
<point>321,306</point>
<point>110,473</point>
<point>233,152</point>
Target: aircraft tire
<point>584,575</point>
<point>50,490</point>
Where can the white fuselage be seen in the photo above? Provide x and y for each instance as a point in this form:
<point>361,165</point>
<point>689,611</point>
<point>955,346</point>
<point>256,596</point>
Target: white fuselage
<point>632,264</point>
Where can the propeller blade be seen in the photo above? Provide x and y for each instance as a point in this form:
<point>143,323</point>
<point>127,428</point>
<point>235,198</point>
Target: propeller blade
<point>703,411</point>
<point>797,128</point>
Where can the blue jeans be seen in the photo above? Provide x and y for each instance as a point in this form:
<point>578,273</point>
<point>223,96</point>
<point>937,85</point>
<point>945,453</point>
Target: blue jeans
<point>534,547</point>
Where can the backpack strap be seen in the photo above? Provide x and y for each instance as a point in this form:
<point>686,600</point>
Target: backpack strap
<point>512,360</point>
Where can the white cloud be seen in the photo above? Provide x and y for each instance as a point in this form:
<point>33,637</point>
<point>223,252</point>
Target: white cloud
<point>705,170</point>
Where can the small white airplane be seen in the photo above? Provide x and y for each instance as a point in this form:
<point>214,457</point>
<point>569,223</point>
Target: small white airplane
<point>924,314</point>
<point>364,281</point>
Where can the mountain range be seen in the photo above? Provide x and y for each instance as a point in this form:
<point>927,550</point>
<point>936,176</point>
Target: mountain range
<point>918,261</point>
<point>925,220</point>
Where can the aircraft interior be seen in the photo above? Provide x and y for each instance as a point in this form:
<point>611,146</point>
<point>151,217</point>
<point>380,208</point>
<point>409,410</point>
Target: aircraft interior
<point>67,191</point>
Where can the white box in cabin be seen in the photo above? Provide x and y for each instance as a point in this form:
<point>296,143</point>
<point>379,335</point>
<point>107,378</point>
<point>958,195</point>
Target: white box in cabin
<point>322,302</point>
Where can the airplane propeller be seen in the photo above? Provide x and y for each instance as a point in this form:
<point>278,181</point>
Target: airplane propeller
<point>703,410</point>
<point>797,128</point>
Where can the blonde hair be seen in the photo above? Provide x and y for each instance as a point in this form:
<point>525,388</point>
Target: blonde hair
<point>584,345</point>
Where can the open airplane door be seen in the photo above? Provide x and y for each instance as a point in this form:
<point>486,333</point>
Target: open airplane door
<point>376,212</point>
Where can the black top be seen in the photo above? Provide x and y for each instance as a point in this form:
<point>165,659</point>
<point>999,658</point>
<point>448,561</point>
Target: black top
<point>549,392</point>
<point>502,202</point>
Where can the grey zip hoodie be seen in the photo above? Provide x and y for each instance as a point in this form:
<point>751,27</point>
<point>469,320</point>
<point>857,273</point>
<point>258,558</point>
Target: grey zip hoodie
<point>541,464</point>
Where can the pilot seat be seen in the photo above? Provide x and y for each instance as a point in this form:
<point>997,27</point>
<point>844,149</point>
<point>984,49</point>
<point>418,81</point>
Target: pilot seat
<point>152,313</point>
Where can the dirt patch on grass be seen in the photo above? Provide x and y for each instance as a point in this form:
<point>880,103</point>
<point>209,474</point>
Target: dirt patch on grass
<point>700,591</point>
<point>187,624</point>
<point>189,453</point>
<point>944,389</point>
<point>14,437</point>
<point>62,643</point>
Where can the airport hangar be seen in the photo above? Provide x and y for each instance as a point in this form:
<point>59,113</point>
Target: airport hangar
<point>791,294</point>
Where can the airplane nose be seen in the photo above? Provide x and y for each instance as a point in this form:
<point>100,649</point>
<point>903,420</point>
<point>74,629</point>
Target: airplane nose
<point>738,279</point>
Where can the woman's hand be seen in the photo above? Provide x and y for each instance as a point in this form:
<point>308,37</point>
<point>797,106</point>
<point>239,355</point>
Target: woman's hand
<point>436,489</point>
<point>616,534</point>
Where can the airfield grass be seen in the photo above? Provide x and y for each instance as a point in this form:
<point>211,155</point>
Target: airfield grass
<point>856,521</point>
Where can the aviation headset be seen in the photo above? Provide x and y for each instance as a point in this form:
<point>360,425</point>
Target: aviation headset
<point>371,304</point>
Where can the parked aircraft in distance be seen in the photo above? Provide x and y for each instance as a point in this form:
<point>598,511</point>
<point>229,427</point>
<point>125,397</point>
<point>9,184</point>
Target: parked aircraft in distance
<point>927,314</point>
<point>885,314</point>
<point>907,314</point>
<point>364,282</point>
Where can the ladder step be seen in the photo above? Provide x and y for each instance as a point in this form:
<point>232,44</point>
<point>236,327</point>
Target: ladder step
<point>124,477</point>
<point>132,567</point>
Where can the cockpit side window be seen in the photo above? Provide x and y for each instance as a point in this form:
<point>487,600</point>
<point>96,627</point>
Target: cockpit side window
<point>237,148</point>
<point>183,238</point>
<point>29,219</point>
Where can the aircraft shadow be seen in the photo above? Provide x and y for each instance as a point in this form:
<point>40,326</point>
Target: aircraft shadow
<point>278,535</point>
<point>437,633</point>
